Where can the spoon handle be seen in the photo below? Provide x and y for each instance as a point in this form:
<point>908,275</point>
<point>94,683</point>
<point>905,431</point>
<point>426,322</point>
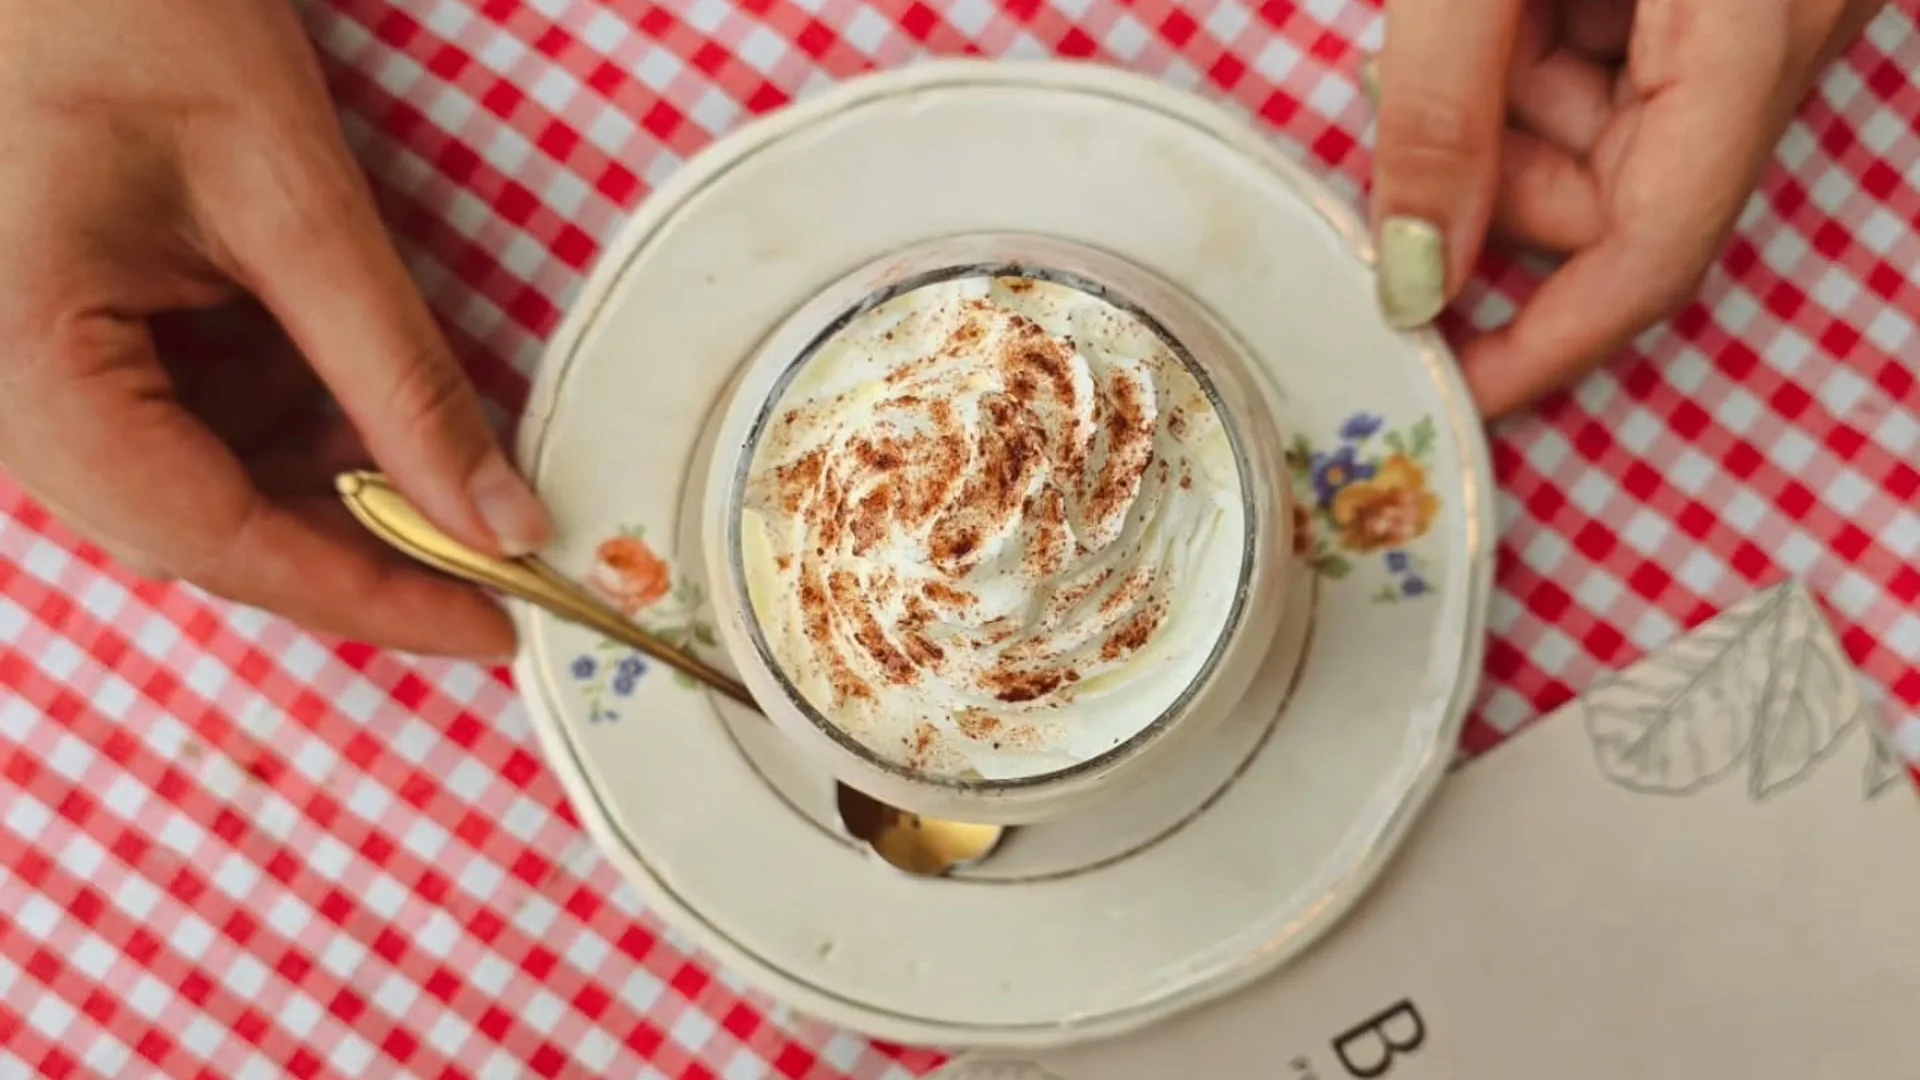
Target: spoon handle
<point>390,516</point>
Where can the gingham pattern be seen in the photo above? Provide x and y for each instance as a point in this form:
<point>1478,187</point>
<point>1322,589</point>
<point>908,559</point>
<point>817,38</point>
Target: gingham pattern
<point>230,850</point>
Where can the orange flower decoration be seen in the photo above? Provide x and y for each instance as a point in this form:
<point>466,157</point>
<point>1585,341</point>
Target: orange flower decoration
<point>1390,510</point>
<point>1302,529</point>
<point>630,575</point>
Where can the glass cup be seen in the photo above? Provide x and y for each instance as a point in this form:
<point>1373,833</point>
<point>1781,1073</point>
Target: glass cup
<point>1242,397</point>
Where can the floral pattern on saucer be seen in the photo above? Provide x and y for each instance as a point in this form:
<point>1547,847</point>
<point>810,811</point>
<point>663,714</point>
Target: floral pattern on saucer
<point>631,576</point>
<point>1367,496</point>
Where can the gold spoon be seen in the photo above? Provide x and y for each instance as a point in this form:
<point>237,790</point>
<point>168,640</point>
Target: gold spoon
<point>919,845</point>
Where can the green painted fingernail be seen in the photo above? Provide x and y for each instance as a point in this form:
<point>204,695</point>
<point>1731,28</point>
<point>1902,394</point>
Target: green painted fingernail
<point>1412,276</point>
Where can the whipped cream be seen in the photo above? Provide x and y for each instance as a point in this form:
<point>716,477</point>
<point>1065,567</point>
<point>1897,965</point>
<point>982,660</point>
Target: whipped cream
<point>992,528</point>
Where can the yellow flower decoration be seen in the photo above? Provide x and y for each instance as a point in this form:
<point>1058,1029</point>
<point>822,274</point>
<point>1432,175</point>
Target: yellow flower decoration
<point>1390,510</point>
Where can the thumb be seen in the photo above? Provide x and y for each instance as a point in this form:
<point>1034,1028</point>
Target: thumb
<point>322,263</point>
<point>1436,172</point>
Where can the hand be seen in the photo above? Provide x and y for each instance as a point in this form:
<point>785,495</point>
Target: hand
<point>1626,135</point>
<point>189,254</point>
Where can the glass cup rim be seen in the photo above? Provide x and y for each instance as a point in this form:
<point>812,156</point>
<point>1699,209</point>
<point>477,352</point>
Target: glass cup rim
<point>1038,270</point>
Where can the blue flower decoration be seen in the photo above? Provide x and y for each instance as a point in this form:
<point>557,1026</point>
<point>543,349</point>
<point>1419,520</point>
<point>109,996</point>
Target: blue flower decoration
<point>623,684</point>
<point>1333,472</point>
<point>632,667</point>
<point>1414,586</point>
<point>1361,426</point>
<point>1397,562</point>
<point>584,667</point>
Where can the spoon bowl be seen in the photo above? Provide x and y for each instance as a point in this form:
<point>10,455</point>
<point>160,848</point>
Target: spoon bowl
<point>925,846</point>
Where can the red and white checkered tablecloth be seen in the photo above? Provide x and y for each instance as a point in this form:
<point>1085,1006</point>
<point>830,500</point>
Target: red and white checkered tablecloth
<point>229,849</point>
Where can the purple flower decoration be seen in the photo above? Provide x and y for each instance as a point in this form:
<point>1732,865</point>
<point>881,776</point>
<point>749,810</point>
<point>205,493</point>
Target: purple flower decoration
<point>1397,562</point>
<point>1333,472</point>
<point>584,667</point>
<point>1361,426</point>
<point>1413,586</point>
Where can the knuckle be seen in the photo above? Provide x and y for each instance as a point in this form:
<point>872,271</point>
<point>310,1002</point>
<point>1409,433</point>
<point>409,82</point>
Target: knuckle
<point>302,194</point>
<point>429,391</point>
<point>1425,130</point>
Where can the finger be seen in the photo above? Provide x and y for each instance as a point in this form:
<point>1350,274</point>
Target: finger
<point>1585,312</point>
<point>315,253</point>
<point>99,426</point>
<point>1549,199</point>
<point>311,547</point>
<point>1550,91</point>
<point>1436,167</point>
<point>1564,97</point>
<point>1644,269</point>
<point>1692,152</point>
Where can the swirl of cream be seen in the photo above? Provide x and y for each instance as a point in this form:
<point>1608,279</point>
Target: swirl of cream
<point>998,527</point>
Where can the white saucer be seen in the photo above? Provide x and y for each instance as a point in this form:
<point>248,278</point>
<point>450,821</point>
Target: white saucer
<point>1215,873</point>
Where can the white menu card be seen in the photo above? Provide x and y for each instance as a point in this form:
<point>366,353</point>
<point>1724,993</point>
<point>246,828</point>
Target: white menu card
<point>1706,868</point>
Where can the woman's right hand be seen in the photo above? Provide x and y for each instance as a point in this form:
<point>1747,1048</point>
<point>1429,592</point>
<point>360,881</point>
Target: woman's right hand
<point>1623,135</point>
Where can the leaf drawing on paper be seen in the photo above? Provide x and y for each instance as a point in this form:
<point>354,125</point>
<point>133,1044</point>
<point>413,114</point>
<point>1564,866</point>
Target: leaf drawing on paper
<point>1683,717</point>
<point>1804,705</point>
<point>1763,686</point>
<point>1884,770</point>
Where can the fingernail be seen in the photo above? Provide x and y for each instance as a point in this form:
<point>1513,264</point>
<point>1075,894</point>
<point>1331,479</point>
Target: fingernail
<point>1412,273</point>
<point>1370,79</point>
<point>509,507</point>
